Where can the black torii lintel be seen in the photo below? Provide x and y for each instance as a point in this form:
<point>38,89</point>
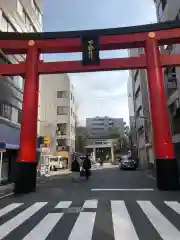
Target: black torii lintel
<point>99,32</point>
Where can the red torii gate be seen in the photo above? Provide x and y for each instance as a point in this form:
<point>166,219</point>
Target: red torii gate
<point>149,37</point>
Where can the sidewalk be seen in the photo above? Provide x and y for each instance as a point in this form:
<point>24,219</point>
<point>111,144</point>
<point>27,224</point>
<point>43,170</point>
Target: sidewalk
<point>8,188</point>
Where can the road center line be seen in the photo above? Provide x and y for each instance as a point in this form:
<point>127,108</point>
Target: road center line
<point>122,189</point>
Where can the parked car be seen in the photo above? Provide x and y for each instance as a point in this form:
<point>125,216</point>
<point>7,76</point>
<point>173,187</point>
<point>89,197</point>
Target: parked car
<point>127,162</point>
<point>57,163</point>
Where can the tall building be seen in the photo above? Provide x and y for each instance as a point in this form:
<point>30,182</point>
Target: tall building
<point>141,119</point>
<point>99,127</point>
<point>132,131</point>
<point>15,16</point>
<point>57,113</point>
<point>170,10</point>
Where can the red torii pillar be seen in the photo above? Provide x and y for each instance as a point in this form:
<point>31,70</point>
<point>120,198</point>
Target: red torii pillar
<point>166,164</point>
<point>27,159</point>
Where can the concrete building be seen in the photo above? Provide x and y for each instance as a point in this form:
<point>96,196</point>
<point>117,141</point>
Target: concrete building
<point>57,113</point>
<point>99,127</point>
<point>20,16</point>
<point>170,10</point>
<point>132,130</point>
<point>138,90</point>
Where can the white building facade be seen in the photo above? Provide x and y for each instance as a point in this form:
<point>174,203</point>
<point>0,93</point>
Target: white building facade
<point>57,113</point>
<point>15,16</point>
<point>99,127</point>
<point>141,119</point>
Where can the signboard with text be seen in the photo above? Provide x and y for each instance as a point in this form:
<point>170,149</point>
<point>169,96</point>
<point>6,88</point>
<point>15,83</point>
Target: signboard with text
<point>90,50</point>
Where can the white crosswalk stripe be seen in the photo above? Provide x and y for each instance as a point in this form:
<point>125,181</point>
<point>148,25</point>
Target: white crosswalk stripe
<point>63,204</point>
<point>15,222</point>
<point>83,227</point>
<point>174,205</point>
<point>90,203</point>
<point>165,229</point>
<point>9,208</point>
<point>43,229</point>
<point>122,226</point>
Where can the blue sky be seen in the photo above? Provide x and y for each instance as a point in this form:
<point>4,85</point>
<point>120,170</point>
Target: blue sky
<point>103,93</point>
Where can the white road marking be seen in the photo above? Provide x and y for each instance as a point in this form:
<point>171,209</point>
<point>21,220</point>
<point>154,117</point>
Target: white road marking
<point>9,208</point>
<point>151,177</point>
<point>7,195</point>
<point>43,229</point>
<point>174,205</point>
<point>15,222</point>
<point>162,225</point>
<point>63,204</point>
<point>83,227</point>
<point>122,224</point>
<point>122,189</point>
<point>90,203</point>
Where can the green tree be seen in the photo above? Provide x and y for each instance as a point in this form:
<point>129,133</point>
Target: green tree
<point>114,132</point>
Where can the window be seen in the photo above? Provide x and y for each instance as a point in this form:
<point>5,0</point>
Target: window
<point>62,110</point>
<point>140,131</point>
<point>139,112</point>
<point>19,116</point>
<point>136,75</point>
<point>178,16</point>
<point>37,10</point>
<point>137,92</point>
<point>27,21</point>
<point>4,24</point>
<point>32,28</point>
<point>71,96</point>
<point>33,4</point>
<point>5,111</point>
<point>19,82</point>
<point>161,8</point>
<point>20,8</point>
<point>62,94</point>
<point>61,129</point>
<point>40,18</point>
<point>164,2</point>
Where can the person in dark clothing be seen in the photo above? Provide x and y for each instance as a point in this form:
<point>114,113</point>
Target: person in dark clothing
<point>75,169</point>
<point>87,166</point>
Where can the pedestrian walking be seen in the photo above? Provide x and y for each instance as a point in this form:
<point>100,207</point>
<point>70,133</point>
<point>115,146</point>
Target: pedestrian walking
<point>75,169</point>
<point>87,167</point>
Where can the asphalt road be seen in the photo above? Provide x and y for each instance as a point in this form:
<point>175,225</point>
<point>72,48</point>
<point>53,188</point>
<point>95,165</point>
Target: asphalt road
<point>113,204</point>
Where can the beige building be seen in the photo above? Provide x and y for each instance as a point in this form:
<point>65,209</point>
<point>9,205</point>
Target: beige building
<point>57,111</point>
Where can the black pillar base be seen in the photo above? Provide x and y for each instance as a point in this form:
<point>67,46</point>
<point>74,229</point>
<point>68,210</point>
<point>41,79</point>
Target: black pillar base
<point>25,181</point>
<point>167,176</point>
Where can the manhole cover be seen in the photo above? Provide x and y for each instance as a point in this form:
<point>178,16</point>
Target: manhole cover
<point>74,210</point>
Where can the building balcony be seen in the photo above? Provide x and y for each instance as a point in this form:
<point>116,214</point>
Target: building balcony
<point>65,136</point>
<point>62,148</point>
<point>139,123</point>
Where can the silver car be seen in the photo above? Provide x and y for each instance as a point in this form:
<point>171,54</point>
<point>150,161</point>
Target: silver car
<point>127,163</point>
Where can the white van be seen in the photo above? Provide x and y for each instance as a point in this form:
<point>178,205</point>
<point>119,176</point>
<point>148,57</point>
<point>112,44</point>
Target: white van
<point>56,162</point>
